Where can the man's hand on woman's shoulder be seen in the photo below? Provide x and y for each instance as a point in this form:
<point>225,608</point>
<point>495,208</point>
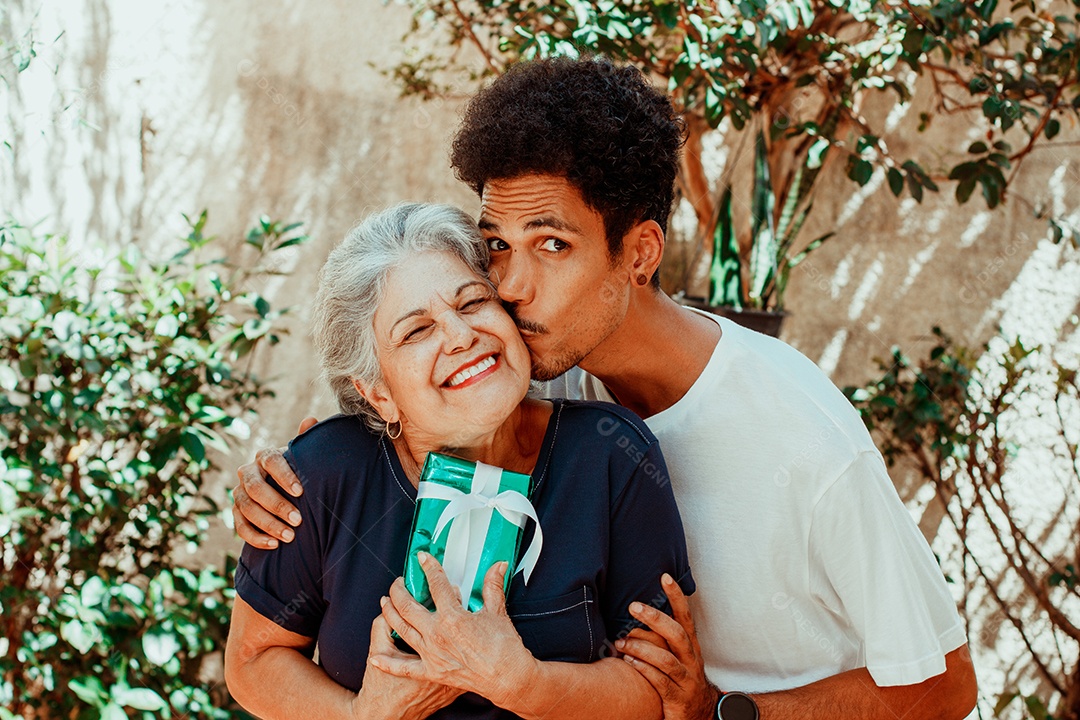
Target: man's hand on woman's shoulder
<point>261,515</point>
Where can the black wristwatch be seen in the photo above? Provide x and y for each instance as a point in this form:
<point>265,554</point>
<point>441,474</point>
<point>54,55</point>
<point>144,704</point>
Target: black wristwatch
<point>736,706</point>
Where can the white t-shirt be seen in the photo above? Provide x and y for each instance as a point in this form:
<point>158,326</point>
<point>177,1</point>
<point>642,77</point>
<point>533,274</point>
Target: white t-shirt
<point>807,563</point>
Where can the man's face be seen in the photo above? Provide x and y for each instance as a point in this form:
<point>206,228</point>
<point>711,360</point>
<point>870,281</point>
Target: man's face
<point>549,259</point>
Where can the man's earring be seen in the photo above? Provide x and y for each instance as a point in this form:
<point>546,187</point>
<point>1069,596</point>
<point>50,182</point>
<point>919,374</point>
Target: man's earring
<point>642,280</point>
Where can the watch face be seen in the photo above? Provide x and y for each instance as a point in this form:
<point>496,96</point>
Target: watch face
<point>736,706</point>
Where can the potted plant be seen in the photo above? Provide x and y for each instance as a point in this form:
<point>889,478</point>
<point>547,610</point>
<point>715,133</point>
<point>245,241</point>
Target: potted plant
<point>792,75</point>
<point>757,300</point>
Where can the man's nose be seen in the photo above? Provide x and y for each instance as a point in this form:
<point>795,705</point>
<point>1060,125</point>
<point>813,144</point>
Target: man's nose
<point>515,279</point>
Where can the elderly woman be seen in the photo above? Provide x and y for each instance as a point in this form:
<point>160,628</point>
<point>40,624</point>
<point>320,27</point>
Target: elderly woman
<point>422,357</point>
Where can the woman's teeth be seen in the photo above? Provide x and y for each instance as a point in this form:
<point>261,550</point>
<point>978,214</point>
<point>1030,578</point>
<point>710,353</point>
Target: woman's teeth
<point>471,371</point>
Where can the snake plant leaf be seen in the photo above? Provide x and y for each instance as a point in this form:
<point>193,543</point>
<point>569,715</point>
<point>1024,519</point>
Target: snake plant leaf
<point>763,264</point>
<point>788,211</point>
<point>725,275</point>
<point>789,263</point>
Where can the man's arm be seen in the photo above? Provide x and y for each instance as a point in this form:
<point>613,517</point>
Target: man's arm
<point>258,510</point>
<point>669,657</point>
<point>853,694</point>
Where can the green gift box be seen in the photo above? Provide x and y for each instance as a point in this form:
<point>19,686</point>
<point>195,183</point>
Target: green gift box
<point>469,516</point>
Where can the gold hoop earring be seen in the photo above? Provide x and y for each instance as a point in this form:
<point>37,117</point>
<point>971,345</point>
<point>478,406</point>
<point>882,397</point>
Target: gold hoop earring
<point>391,435</point>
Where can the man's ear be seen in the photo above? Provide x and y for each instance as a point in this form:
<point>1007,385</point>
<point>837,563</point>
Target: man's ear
<point>378,396</point>
<point>643,248</point>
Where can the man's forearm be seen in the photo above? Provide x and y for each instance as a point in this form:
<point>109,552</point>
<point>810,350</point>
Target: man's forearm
<point>603,690</point>
<point>853,694</point>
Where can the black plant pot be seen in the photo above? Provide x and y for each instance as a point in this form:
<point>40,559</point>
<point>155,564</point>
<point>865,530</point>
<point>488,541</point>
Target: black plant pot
<point>766,322</point>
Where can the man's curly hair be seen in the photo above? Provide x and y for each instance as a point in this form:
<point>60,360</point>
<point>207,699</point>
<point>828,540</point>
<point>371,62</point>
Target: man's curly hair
<point>601,126</point>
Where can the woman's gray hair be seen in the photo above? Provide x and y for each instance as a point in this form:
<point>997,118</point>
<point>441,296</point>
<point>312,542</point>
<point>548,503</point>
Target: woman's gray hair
<point>352,282</point>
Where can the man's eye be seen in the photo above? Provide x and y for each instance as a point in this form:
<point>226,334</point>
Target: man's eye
<point>554,245</point>
<point>496,244</point>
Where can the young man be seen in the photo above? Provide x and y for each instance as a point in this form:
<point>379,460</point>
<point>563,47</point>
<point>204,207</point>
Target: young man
<point>818,597</point>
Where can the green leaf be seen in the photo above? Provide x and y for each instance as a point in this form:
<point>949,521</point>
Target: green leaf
<point>915,187</point>
<point>978,148</point>
<point>193,444</point>
<point>165,449</point>
<point>139,698</point>
<point>89,689</point>
<point>1053,127</point>
<point>859,170</point>
<point>965,188</point>
<point>1036,707</point>
<point>160,646</point>
<point>816,155</point>
<point>725,273</point>
<point>896,181</point>
<point>299,240</point>
<point>92,591</point>
<point>814,245</point>
<point>112,711</point>
<point>167,326</point>
<point>763,251</point>
<point>81,636</point>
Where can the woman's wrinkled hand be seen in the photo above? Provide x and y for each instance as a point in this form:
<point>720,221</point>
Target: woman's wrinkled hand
<point>389,696</point>
<point>478,652</point>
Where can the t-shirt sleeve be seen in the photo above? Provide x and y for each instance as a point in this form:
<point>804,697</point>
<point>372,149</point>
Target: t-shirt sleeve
<point>868,557</point>
<point>285,584</point>
<point>646,541</point>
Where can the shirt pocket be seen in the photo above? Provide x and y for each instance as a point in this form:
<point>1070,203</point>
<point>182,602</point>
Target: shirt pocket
<point>567,628</point>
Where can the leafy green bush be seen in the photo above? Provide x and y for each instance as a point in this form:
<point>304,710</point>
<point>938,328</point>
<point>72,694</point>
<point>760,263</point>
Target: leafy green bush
<point>958,417</point>
<point>116,377</point>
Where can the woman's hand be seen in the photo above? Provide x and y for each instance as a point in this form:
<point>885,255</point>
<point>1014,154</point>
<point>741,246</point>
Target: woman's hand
<point>479,652</point>
<point>388,696</point>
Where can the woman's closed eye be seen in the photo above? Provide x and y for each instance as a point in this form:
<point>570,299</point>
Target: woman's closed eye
<point>476,303</point>
<point>417,332</point>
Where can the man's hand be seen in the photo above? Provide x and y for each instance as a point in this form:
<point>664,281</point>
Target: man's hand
<point>669,657</point>
<point>388,696</point>
<point>480,652</point>
<point>258,510</point>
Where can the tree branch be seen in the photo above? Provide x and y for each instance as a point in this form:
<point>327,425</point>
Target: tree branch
<point>467,25</point>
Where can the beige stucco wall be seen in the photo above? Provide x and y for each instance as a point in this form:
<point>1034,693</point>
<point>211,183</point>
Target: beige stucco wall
<point>141,111</point>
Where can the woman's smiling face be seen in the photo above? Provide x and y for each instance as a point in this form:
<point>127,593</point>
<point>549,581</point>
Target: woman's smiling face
<point>454,366</point>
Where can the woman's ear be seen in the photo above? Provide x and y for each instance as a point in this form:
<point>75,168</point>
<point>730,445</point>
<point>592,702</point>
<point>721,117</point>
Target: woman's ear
<point>378,396</point>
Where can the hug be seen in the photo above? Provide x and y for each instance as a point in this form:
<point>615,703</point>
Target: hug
<point>537,341</point>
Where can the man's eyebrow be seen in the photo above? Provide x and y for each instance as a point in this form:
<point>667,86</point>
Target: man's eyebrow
<point>547,221</point>
<point>420,311</point>
<point>544,221</point>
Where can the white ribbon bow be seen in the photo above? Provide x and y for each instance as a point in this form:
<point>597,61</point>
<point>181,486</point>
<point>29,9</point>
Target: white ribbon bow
<point>469,516</point>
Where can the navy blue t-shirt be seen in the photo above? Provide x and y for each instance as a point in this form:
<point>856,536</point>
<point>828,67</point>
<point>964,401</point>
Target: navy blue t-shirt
<point>600,489</point>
